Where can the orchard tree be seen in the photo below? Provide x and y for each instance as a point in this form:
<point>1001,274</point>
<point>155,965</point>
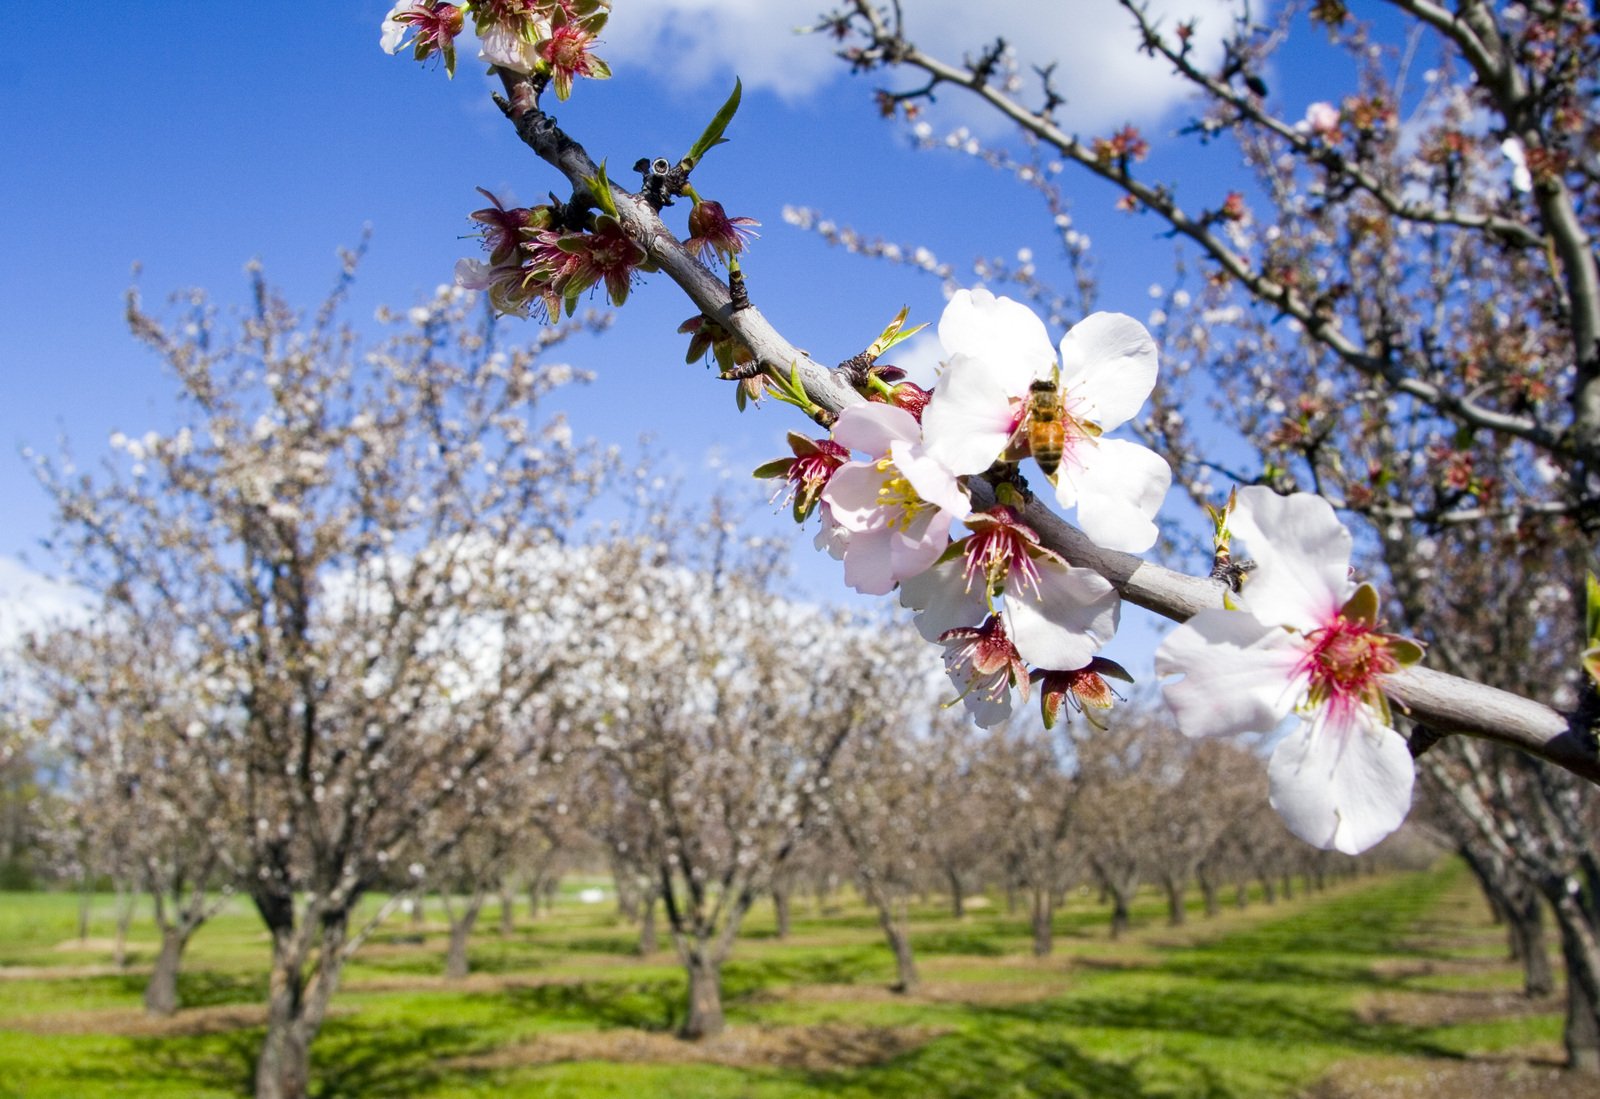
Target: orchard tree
<point>151,745</point>
<point>877,804</point>
<point>327,534</point>
<point>711,738</point>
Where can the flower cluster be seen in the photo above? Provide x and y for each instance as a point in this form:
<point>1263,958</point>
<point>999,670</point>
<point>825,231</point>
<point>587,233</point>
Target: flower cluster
<point>1306,643</point>
<point>999,601</point>
<point>539,269</point>
<point>548,38</point>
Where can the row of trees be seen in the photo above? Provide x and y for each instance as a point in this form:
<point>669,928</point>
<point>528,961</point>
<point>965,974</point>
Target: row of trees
<point>356,636</point>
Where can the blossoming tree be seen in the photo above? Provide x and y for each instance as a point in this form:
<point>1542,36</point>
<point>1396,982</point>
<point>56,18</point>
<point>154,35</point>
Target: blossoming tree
<point>326,541</point>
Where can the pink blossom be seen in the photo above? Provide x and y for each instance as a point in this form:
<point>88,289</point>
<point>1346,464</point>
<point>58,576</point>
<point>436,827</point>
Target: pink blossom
<point>896,508</point>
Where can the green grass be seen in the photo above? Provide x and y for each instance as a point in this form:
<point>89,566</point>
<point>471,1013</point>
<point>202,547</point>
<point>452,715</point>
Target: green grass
<point>1255,1004</point>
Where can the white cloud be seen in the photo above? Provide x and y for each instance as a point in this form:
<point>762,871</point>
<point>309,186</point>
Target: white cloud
<point>1099,68</point>
<point>32,601</point>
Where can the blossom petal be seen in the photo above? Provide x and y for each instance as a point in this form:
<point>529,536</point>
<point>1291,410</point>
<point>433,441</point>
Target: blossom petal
<point>869,561</point>
<point>1118,487</point>
<point>915,549</point>
<point>1005,335</point>
<point>852,496</point>
<point>931,480</point>
<point>986,712</point>
<point>1302,556</point>
<point>1344,784</point>
<point>872,427</point>
<point>971,417</point>
<point>942,599</point>
<point>1239,676</point>
<point>1108,368</point>
<point>1075,614</point>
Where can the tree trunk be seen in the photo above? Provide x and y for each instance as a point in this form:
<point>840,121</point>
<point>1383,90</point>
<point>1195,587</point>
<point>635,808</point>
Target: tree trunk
<point>297,1004</point>
<point>1524,918</point>
<point>704,1018</point>
<point>649,940</point>
<point>1208,890</point>
<point>905,964</point>
<point>958,900</point>
<point>127,898</point>
<point>85,904</point>
<point>1288,886</point>
<point>1581,953</point>
<point>508,911</point>
<point>1177,901</point>
<point>161,993</point>
<point>780,909</point>
<point>456,963</point>
<point>1044,939</point>
<point>1241,895</point>
<point>1119,913</point>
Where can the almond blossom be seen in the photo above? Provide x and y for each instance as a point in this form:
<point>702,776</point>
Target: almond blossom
<point>1052,615</point>
<point>1306,644</point>
<point>895,508</point>
<point>1000,364</point>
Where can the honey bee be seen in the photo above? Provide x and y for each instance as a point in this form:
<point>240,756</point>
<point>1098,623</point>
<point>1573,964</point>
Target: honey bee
<point>1046,425</point>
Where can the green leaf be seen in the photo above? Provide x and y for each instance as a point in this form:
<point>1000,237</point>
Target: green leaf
<point>894,332</point>
<point>1591,663</point>
<point>1405,651</point>
<point>600,187</point>
<point>713,134</point>
<point>1592,619</point>
<point>1362,606</point>
<point>778,468</point>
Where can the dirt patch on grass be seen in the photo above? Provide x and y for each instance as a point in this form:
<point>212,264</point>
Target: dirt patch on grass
<point>133,1023</point>
<point>65,972</point>
<point>822,1048</point>
<point>942,992</point>
<point>1482,1079</point>
<point>1445,1008</point>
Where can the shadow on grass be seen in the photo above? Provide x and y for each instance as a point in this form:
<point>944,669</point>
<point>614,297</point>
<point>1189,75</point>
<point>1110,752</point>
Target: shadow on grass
<point>650,1005</point>
<point>349,1059</point>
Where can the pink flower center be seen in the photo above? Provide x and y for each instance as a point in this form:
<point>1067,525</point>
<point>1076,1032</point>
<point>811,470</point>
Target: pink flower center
<point>568,49</point>
<point>1345,661</point>
<point>985,657</point>
<point>996,552</point>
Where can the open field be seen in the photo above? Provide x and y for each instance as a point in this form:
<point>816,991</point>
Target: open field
<point>1384,987</point>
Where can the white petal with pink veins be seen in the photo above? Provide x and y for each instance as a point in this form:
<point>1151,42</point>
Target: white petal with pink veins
<point>971,417</point>
<point>1075,614</point>
<point>915,549</point>
<point>942,600</point>
<point>1239,676</point>
<point>872,427</point>
<point>1118,487</point>
<point>852,496</point>
<point>1302,556</point>
<point>1342,785</point>
<point>1108,368</point>
<point>930,478</point>
<point>1007,336</point>
<point>869,562</point>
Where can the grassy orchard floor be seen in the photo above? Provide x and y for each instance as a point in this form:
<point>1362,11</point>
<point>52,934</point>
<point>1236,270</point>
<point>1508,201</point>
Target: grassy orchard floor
<point>1384,987</point>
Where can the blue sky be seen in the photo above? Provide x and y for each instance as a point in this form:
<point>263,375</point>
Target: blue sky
<point>190,138</point>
